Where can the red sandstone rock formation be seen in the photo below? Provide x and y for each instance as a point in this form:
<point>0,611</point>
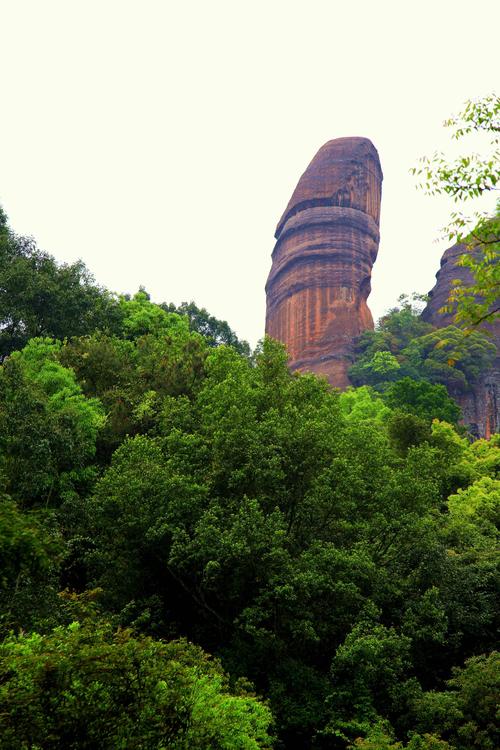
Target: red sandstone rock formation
<point>481,405</point>
<point>327,242</point>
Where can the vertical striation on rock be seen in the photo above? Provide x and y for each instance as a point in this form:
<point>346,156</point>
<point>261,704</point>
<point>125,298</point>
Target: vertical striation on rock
<point>326,244</point>
<point>480,405</point>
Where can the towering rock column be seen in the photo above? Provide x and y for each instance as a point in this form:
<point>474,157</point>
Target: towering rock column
<point>327,242</point>
<point>481,404</point>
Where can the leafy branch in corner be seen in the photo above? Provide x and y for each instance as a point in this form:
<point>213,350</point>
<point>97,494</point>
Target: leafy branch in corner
<point>465,178</point>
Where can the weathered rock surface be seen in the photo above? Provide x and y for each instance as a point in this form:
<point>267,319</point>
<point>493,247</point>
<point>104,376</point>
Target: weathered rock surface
<point>327,242</point>
<point>480,405</point>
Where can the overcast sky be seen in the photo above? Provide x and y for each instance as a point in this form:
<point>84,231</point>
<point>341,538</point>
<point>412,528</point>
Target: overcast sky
<point>160,140</point>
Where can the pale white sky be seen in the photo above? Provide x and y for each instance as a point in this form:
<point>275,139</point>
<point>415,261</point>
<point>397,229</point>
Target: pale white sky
<point>160,141</point>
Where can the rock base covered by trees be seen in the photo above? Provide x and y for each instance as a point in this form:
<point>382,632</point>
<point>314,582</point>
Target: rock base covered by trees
<point>480,403</point>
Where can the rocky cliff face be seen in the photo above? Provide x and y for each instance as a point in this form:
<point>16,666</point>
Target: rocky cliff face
<point>327,242</point>
<point>480,405</point>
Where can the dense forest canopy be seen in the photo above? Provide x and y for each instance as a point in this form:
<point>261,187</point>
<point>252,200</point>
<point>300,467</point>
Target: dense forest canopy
<point>201,550</point>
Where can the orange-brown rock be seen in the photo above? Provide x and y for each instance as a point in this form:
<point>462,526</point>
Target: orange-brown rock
<point>327,242</point>
<point>481,404</point>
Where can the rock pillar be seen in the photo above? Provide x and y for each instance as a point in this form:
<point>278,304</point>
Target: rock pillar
<point>326,244</point>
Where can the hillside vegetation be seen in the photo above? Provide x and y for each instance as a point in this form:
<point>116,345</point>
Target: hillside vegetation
<point>200,550</point>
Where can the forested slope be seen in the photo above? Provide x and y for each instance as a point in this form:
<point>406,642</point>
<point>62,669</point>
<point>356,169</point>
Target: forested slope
<point>166,496</point>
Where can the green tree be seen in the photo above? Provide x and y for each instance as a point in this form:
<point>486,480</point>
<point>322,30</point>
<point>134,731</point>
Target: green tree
<point>466,714</point>
<point>87,686</point>
<point>450,356</point>
<point>359,404</point>
<point>464,178</point>
<point>47,426</point>
<point>371,666</point>
<point>394,331</point>
<point>135,377</point>
<point>475,513</point>
<point>31,552</point>
<point>426,400</point>
<point>141,317</point>
<point>380,368</point>
<point>39,297</point>
<point>261,522</point>
<point>216,331</point>
<point>404,323</point>
<point>381,737</point>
